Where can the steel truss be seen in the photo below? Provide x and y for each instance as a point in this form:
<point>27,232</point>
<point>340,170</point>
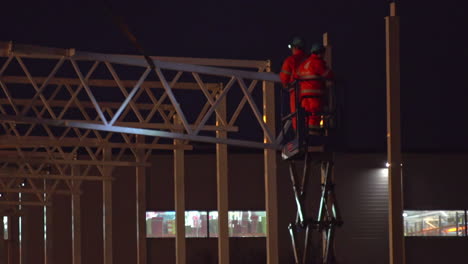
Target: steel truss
<point>131,115</point>
<point>70,96</point>
<point>68,116</point>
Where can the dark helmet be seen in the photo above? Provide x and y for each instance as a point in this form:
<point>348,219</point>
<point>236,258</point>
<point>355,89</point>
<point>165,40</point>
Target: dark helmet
<point>317,48</point>
<point>297,42</point>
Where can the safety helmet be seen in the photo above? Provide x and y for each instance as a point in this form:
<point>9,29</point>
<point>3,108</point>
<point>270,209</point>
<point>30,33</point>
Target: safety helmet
<point>297,42</point>
<point>317,48</point>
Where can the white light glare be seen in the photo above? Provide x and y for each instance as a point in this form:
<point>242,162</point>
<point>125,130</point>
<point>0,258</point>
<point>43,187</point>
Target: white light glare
<point>387,164</point>
<point>405,214</point>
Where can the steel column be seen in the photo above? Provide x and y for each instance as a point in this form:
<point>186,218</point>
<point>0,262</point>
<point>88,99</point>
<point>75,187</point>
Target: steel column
<point>271,202</point>
<point>107,207</point>
<point>222,188</point>
<point>395,184</point>
<point>49,227</point>
<point>141,204</point>
<point>76,215</point>
<point>179,192</point>
<point>3,258</point>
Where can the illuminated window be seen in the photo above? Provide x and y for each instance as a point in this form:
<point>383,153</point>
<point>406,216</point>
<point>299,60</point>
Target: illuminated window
<point>196,224</point>
<point>160,224</point>
<point>5,227</point>
<point>241,223</point>
<point>435,223</point>
<point>204,224</point>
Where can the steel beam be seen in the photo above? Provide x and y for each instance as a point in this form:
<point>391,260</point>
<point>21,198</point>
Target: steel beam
<point>9,142</point>
<point>74,162</point>
<point>54,176</point>
<point>144,132</point>
<point>104,82</point>
<point>140,61</point>
<point>255,64</point>
<point>34,154</point>
<point>89,105</point>
<point>23,203</point>
<point>33,191</point>
<point>7,47</point>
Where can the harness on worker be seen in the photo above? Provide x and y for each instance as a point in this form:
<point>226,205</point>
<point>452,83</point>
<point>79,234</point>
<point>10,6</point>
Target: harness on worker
<point>312,233</point>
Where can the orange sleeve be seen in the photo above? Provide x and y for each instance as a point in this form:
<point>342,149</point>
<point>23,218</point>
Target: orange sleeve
<point>286,72</point>
<point>323,70</point>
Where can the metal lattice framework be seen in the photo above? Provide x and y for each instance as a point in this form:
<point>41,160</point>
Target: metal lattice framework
<point>71,109</point>
<point>68,116</point>
<point>98,114</point>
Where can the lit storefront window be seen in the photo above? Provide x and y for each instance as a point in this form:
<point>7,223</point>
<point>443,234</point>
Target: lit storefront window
<point>196,224</point>
<point>435,223</point>
<point>5,227</point>
<point>241,224</point>
<point>160,224</point>
<point>204,224</point>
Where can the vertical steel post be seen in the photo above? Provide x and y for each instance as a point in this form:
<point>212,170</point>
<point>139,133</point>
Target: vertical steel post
<point>2,242</point>
<point>76,216</point>
<point>107,207</point>
<point>328,60</point>
<point>271,202</point>
<point>395,184</point>
<point>141,203</point>
<point>465,224</point>
<point>222,187</point>
<point>49,223</point>
<point>179,193</point>
<point>21,230</point>
<point>13,243</point>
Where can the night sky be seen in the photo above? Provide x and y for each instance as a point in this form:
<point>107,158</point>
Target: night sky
<point>434,51</point>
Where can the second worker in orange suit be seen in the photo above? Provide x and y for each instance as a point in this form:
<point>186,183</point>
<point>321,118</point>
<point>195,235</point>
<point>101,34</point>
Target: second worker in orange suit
<point>288,72</point>
<point>312,75</point>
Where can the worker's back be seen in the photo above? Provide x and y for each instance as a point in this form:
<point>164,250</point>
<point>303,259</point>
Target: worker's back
<point>311,72</point>
<point>290,66</point>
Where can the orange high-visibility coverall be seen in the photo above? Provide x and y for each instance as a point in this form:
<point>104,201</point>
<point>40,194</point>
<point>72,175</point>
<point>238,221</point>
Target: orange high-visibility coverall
<point>289,73</point>
<point>311,91</point>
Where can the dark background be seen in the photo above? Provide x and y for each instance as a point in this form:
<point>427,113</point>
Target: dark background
<point>433,51</point>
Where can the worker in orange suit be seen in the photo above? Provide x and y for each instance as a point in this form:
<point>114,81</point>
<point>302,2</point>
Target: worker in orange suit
<point>288,72</point>
<point>312,75</point>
